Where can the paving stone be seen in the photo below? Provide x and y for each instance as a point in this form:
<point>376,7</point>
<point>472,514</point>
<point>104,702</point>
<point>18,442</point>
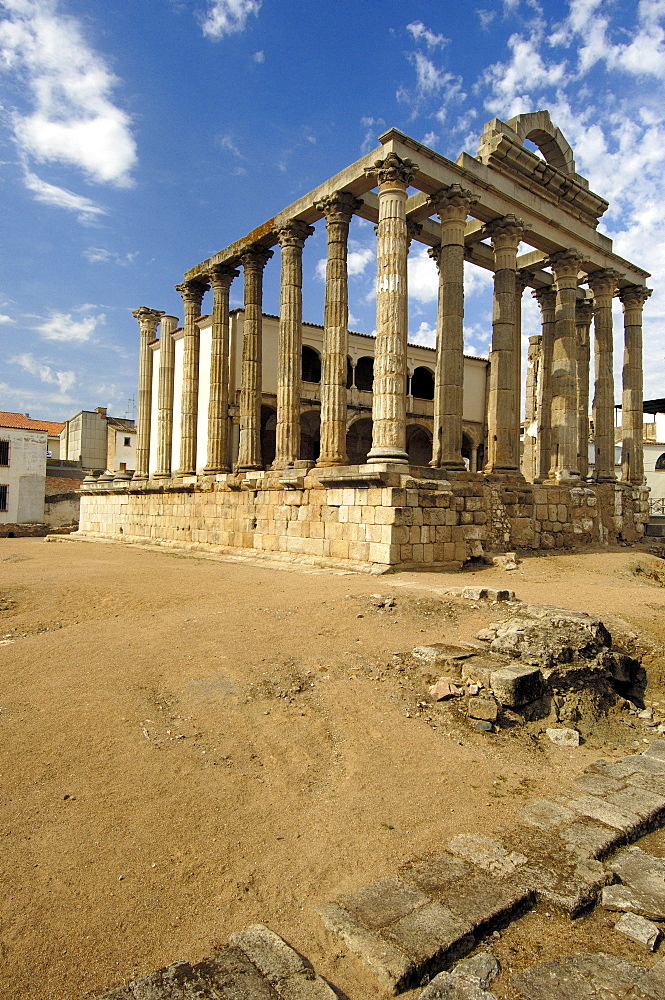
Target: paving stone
<point>480,969</point>
<point>646,804</point>
<point>652,983</point>
<point>231,975</point>
<point>178,981</point>
<point>450,987</point>
<point>591,839</point>
<point>488,903</point>
<point>444,654</point>
<point>383,902</point>
<point>483,707</point>
<point>612,769</point>
<point>481,668</point>
<point>653,782</point>
<point>486,853</point>
<point>433,937</point>
<point>545,814</point>
<point>388,961</point>
<point>624,899</point>
<point>563,737</point>
<point>656,749</point>
<point>648,765</point>
<point>552,981</point>
<point>268,952</point>
<point>516,684</point>
<point>605,971</point>
<point>639,929</point>
<point>435,873</point>
<point>599,785</point>
<point>643,888</point>
<point>601,810</point>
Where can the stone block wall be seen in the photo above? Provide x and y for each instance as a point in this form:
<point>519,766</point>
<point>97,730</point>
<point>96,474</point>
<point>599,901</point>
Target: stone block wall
<point>397,521</point>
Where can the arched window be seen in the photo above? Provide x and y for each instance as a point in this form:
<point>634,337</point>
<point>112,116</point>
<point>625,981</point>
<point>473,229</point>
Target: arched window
<point>660,463</point>
<point>349,373</point>
<point>311,365</point>
<point>422,384</point>
<point>365,374</point>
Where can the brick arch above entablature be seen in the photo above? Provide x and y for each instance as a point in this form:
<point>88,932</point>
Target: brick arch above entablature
<point>550,140</point>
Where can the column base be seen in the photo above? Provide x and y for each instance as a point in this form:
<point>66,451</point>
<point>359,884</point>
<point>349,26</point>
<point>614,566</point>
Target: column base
<point>393,456</point>
<point>331,463</point>
<point>161,475</point>
<point>143,476</point>
<point>604,479</point>
<point>455,465</point>
<point>209,470</point>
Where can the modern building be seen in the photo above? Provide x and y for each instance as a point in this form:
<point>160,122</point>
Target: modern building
<point>24,444</point>
<point>98,442</point>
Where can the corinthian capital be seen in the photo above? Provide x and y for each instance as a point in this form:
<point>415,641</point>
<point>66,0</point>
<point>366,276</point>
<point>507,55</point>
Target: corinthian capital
<point>392,170</point>
<point>634,295</point>
<point>148,319</point>
<point>604,282</point>
<point>506,231</point>
<point>339,207</point>
<point>192,291</point>
<point>452,196</point>
<point>255,257</point>
<point>565,263</point>
<point>221,276</point>
<point>583,312</point>
<point>294,233</point>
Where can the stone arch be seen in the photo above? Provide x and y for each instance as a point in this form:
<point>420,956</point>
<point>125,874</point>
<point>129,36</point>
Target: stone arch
<point>550,140</point>
<point>418,444</point>
<point>311,364</point>
<point>359,440</point>
<point>365,374</point>
<point>660,463</point>
<point>422,383</point>
<point>268,435</point>
<point>310,435</point>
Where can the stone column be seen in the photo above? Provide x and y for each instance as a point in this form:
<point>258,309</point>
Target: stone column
<point>338,210</point>
<point>291,239</point>
<point>503,404</point>
<point>221,277</point>
<point>452,207</point>
<point>389,398</point>
<point>565,267</point>
<point>603,284</point>
<point>148,322</point>
<point>254,260</point>
<point>633,298</point>
<point>546,298</point>
<point>192,295</point>
<point>583,317</point>
<point>165,397</point>
<point>531,429</point>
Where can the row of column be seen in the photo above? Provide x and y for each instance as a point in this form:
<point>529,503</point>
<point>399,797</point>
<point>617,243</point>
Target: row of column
<point>559,397</point>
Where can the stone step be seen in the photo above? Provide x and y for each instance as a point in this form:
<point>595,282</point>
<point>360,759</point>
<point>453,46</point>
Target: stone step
<point>590,977</point>
<point>258,965</point>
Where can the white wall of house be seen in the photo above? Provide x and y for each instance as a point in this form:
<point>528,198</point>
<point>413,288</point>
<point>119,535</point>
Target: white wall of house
<point>24,475</point>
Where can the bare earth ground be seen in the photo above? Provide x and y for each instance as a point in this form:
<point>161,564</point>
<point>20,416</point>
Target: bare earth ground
<point>190,745</point>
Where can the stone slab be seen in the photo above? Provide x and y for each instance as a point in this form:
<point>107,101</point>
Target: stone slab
<point>648,805</point>
<point>231,973</point>
<point>626,900</point>
<point>552,981</point>
<point>388,961</point>
<point>488,903</point>
<point>486,853</point>
<point>516,684</point>
<point>652,983</point>
<point>383,902</point>
<point>546,815</point>
<point>598,784</point>
<point>435,873</point>
<point>605,971</point>
<point>268,952</point>
<point>479,969</point>
<point>433,937</point>
<point>588,805</point>
<point>639,929</point>
<point>450,987</point>
<point>656,749</point>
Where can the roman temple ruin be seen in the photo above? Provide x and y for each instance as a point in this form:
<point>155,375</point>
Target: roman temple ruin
<point>266,435</point>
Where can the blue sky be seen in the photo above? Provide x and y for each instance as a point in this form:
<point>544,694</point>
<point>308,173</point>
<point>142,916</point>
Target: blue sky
<point>138,137</point>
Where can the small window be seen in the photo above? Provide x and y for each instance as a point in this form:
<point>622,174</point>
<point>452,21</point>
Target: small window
<point>4,452</point>
<point>123,466</point>
<point>365,374</point>
<point>660,463</point>
<point>311,365</point>
<point>128,442</point>
<point>3,497</point>
<point>422,384</point>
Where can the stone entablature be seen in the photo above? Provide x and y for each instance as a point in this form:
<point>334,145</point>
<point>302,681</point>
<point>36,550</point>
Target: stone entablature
<point>221,405</point>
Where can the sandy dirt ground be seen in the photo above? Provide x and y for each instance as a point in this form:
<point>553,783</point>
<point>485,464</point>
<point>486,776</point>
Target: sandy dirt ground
<point>191,745</point>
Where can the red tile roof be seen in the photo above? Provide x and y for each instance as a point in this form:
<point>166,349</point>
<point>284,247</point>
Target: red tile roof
<point>22,422</point>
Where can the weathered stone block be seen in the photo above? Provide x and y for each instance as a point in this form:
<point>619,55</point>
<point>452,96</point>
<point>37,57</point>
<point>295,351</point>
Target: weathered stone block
<point>516,684</point>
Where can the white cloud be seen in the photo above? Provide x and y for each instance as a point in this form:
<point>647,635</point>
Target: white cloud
<point>98,255</point>
<point>225,17</point>
<point>6,319</point>
<point>49,194</point>
<point>357,261</point>
<point>425,335</point>
<point>423,275</point>
<point>420,33</point>
<point>259,57</point>
<point>73,121</point>
<point>63,326</point>
<point>45,373</point>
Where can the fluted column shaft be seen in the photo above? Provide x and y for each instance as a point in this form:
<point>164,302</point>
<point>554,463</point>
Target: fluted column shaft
<point>148,321</point>
<point>452,207</point>
<point>503,404</point>
<point>221,277</point>
<point>254,260</point>
<point>338,210</point>
<point>603,285</point>
<point>633,298</point>
<point>192,295</point>
<point>291,239</point>
<point>389,395</point>
<point>583,317</point>
<point>546,298</point>
<point>565,267</point>
<point>531,408</point>
<point>165,397</point>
